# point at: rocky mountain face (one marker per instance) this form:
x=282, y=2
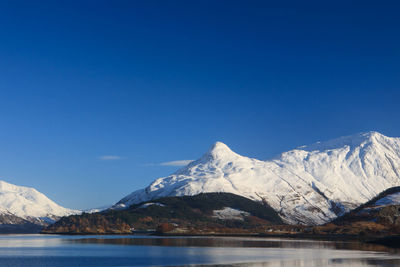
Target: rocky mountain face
x=376, y=221
x=24, y=209
x=383, y=210
x=309, y=185
x=11, y=224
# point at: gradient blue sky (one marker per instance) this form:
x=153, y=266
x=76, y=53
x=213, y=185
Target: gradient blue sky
x=158, y=81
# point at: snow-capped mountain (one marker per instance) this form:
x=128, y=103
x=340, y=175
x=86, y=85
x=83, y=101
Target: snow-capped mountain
x=29, y=204
x=308, y=185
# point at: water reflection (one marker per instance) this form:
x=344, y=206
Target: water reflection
x=268, y=252
x=236, y=242
x=182, y=251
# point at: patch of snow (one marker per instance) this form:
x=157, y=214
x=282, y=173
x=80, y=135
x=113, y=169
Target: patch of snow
x=228, y=213
x=99, y=209
x=145, y=205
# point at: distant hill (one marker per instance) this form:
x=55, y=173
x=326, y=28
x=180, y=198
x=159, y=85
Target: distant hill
x=207, y=211
x=383, y=209
x=26, y=210
x=378, y=217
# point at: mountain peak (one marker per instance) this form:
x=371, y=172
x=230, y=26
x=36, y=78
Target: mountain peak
x=219, y=146
x=355, y=140
x=371, y=134
x=7, y=187
x=220, y=150
x=219, y=153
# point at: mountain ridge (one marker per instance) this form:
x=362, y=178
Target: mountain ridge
x=308, y=185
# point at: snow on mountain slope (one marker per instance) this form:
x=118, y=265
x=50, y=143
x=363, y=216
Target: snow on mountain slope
x=228, y=213
x=308, y=185
x=393, y=199
x=29, y=204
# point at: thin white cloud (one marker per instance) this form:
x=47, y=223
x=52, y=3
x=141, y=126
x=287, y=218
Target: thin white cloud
x=176, y=162
x=109, y=157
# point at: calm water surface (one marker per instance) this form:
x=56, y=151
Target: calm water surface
x=53, y=250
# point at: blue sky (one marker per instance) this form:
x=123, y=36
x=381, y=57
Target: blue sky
x=95, y=95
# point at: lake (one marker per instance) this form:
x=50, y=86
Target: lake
x=56, y=250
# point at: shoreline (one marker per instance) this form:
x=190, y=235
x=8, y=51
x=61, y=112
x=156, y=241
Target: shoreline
x=376, y=239
x=391, y=241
